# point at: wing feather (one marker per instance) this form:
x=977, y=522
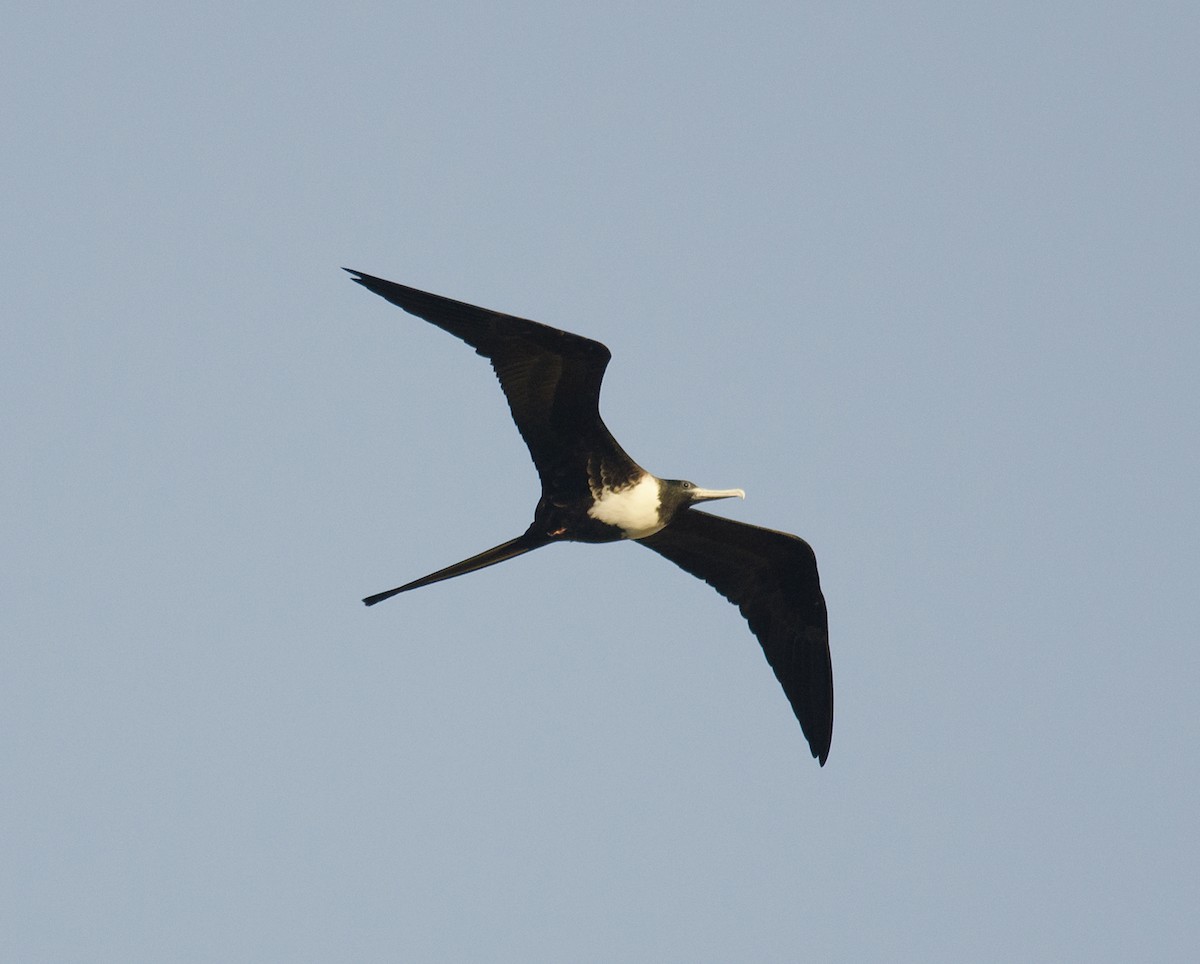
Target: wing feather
x=551, y=378
x=772, y=578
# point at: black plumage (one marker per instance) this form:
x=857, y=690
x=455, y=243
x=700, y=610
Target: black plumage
x=592, y=491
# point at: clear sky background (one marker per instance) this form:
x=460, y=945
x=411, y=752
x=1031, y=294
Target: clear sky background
x=922, y=278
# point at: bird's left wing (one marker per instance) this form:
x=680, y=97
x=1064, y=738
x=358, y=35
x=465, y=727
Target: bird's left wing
x=550, y=377
x=772, y=578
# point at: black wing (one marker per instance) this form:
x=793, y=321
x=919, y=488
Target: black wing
x=772, y=578
x=551, y=379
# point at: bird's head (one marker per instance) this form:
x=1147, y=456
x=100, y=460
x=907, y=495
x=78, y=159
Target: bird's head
x=677, y=494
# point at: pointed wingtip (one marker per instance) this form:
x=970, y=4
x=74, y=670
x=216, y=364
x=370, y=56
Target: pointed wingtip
x=820, y=750
x=381, y=596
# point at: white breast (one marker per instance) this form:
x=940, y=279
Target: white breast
x=634, y=510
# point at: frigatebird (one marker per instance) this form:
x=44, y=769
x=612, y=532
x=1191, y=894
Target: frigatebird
x=592, y=491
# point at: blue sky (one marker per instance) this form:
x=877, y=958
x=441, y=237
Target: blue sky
x=922, y=280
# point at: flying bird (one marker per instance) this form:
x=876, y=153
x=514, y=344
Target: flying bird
x=592, y=491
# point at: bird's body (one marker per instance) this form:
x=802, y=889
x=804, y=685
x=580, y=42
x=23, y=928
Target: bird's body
x=592, y=491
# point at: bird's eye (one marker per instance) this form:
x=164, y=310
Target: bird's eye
x=687, y=485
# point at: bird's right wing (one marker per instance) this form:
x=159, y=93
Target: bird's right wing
x=550, y=377
x=772, y=578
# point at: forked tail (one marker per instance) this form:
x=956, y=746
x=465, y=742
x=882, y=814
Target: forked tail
x=514, y=547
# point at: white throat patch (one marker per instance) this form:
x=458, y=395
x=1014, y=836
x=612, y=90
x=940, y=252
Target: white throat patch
x=633, y=510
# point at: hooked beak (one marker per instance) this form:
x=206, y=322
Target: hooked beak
x=704, y=495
